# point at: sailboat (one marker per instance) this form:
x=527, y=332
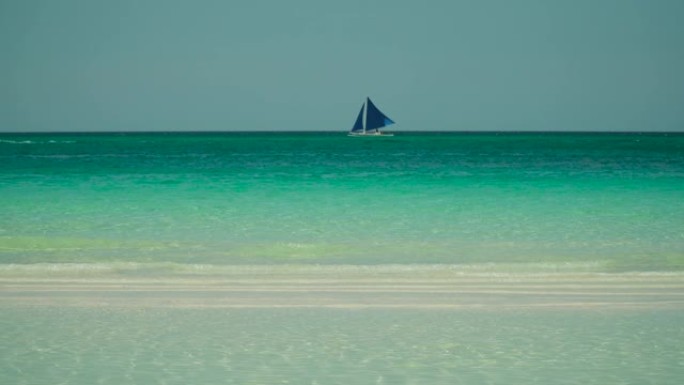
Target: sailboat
x=373, y=122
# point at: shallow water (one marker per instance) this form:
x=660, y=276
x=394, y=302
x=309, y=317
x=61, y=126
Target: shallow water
x=340, y=325
x=49, y=345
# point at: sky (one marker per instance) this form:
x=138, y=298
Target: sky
x=276, y=65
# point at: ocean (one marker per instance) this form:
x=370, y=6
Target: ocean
x=613, y=200
x=316, y=258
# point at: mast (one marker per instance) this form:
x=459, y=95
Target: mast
x=364, y=107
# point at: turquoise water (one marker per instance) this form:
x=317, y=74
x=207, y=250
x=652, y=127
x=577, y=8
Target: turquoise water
x=219, y=346
x=324, y=198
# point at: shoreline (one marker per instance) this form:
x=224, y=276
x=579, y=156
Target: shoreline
x=481, y=287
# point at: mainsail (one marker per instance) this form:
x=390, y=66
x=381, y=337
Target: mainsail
x=374, y=120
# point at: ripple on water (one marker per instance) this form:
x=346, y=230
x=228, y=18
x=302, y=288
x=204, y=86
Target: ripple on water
x=175, y=346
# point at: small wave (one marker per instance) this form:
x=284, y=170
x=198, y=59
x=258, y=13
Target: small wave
x=122, y=156
x=412, y=271
x=36, y=142
x=16, y=141
x=58, y=156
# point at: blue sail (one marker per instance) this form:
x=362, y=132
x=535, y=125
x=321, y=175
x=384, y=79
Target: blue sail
x=374, y=118
x=358, y=125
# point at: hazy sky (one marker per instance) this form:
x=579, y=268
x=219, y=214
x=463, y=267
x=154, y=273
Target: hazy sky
x=90, y=65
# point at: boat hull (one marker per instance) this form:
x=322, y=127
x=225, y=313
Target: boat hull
x=370, y=135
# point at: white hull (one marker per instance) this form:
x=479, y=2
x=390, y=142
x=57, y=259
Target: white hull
x=369, y=134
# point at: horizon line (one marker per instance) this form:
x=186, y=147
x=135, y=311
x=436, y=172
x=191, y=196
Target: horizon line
x=341, y=132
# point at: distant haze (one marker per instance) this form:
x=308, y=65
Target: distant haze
x=136, y=65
